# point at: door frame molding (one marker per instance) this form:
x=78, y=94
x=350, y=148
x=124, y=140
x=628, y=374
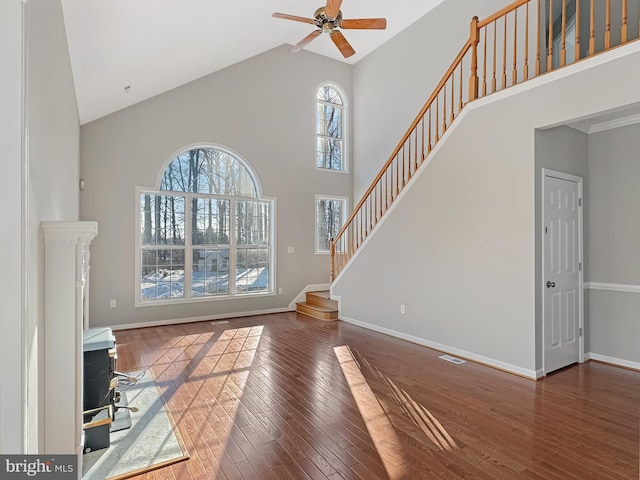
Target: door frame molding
x=546, y=172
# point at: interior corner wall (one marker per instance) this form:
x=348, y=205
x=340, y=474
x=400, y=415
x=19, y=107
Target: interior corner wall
x=40, y=145
x=565, y=150
x=11, y=237
x=53, y=175
x=264, y=109
x=614, y=236
x=391, y=84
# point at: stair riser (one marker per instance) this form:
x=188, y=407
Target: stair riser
x=311, y=312
x=320, y=301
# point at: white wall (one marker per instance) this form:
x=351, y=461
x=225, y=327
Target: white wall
x=11, y=238
x=42, y=187
x=53, y=173
x=459, y=248
x=262, y=108
x=391, y=85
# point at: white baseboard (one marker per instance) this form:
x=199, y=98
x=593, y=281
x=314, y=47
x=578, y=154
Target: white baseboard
x=309, y=288
x=612, y=360
x=491, y=362
x=176, y=321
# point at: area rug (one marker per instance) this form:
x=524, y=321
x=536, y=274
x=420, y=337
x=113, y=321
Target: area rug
x=151, y=442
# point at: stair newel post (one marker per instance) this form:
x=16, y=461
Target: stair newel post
x=332, y=248
x=474, y=38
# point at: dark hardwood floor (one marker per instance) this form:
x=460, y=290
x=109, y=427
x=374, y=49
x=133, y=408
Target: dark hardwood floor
x=286, y=396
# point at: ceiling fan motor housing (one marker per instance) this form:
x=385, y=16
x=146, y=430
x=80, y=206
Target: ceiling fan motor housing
x=326, y=23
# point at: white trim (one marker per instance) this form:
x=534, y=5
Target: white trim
x=177, y=321
x=612, y=287
x=614, y=361
x=491, y=362
x=319, y=287
x=617, y=123
x=571, y=178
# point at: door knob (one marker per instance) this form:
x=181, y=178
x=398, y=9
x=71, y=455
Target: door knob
x=551, y=284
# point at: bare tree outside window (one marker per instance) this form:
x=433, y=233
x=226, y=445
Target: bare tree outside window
x=329, y=129
x=330, y=216
x=209, y=195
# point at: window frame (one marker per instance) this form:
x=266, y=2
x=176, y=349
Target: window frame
x=188, y=247
x=345, y=127
x=345, y=213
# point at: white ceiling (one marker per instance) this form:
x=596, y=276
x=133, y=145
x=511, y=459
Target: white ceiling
x=156, y=45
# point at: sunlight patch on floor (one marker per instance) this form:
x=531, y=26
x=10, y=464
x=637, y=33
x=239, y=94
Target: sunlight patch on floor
x=379, y=426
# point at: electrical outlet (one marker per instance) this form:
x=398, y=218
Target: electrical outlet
x=402, y=310
x=280, y=291
x=112, y=303
x=290, y=250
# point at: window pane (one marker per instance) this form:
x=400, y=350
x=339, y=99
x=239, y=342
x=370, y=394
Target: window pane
x=329, y=218
x=252, y=223
x=329, y=94
x=210, y=275
x=329, y=121
x=162, y=220
x=252, y=270
x=329, y=154
x=162, y=273
x=209, y=221
x=208, y=170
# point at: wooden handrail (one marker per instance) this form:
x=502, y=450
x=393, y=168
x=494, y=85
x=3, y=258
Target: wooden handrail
x=441, y=108
x=502, y=12
x=406, y=136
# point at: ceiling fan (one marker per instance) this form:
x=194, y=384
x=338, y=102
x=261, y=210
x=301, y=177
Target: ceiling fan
x=328, y=19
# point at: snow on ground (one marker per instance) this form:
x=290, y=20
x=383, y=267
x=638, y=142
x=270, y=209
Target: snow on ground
x=170, y=283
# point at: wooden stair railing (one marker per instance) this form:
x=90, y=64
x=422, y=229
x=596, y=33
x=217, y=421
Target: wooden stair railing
x=515, y=44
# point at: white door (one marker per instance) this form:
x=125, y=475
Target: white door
x=561, y=272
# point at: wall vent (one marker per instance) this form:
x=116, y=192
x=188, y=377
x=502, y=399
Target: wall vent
x=219, y=322
x=451, y=359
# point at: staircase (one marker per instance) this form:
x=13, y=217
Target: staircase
x=516, y=44
x=318, y=305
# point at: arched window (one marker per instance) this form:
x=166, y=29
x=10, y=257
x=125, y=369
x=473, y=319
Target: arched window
x=206, y=233
x=330, y=128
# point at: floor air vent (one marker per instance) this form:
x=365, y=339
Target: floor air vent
x=451, y=359
x=219, y=322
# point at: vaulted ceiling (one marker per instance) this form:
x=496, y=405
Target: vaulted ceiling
x=125, y=51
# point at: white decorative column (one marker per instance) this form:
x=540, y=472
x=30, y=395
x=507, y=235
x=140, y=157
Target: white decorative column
x=66, y=269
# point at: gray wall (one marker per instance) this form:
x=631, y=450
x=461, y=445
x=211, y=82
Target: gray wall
x=614, y=236
x=458, y=249
x=262, y=108
x=565, y=150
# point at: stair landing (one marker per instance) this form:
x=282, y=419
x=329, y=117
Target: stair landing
x=318, y=305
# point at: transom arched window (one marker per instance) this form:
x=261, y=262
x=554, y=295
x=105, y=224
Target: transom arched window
x=206, y=232
x=330, y=128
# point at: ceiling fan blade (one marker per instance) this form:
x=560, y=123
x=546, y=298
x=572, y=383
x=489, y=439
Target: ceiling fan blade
x=333, y=8
x=365, y=23
x=293, y=17
x=345, y=48
x=305, y=41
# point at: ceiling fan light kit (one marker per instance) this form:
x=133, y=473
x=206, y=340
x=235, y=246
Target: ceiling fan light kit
x=329, y=20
